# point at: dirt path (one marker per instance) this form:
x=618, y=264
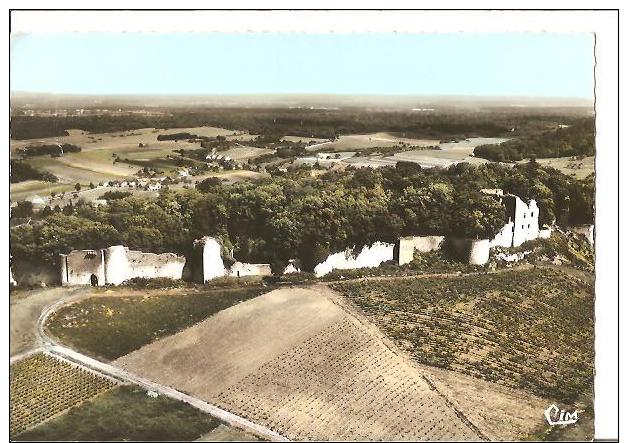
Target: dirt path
x=45, y=343
x=519, y=267
x=25, y=307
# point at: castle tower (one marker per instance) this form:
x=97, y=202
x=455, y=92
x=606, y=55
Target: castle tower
x=209, y=254
x=116, y=265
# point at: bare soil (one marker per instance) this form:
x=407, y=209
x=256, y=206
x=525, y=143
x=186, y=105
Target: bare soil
x=296, y=361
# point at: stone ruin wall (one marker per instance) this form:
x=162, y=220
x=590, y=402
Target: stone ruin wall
x=504, y=237
x=149, y=265
x=408, y=245
x=117, y=264
x=239, y=269
x=526, y=221
x=209, y=253
x=369, y=257
x=472, y=251
x=77, y=267
x=29, y=273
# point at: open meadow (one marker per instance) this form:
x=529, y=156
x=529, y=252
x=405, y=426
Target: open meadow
x=356, y=142
x=575, y=167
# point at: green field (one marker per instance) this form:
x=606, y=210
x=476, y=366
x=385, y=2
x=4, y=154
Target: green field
x=23, y=190
x=126, y=413
x=530, y=329
x=109, y=327
x=578, y=168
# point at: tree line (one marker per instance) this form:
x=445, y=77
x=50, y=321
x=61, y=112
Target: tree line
x=328, y=124
x=55, y=150
x=575, y=140
x=22, y=171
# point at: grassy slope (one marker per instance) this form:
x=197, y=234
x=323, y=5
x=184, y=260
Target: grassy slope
x=110, y=327
x=530, y=329
x=123, y=414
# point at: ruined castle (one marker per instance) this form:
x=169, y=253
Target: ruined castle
x=113, y=265
x=116, y=264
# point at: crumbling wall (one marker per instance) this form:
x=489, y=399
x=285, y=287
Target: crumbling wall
x=27, y=273
x=240, y=269
x=78, y=267
x=292, y=268
x=525, y=220
x=149, y=265
x=117, y=267
x=408, y=245
x=504, y=237
x=116, y=264
x=545, y=233
x=472, y=251
x=369, y=256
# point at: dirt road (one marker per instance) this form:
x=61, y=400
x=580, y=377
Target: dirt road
x=29, y=312
x=26, y=306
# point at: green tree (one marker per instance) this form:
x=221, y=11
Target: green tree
x=23, y=209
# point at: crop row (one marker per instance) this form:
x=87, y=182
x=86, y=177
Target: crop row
x=344, y=384
x=531, y=329
x=42, y=386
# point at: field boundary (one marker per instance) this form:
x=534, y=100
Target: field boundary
x=457, y=411
x=354, y=312
x=23, y=355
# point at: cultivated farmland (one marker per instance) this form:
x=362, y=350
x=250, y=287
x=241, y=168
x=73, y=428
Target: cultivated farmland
x=362, y=141
x=531, y=329
x=42, y=387
x=95, y=162
x=298, y=360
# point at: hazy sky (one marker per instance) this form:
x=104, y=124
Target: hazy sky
x=540, y=65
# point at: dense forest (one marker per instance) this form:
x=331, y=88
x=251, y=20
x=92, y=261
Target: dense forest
x=447, y=124
x=176, y=136
x=577, y=139
x=21, y=171
x=297, y=216
x=55, y=150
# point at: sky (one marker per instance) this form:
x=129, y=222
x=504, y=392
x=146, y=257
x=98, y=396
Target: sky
x=498, y=64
